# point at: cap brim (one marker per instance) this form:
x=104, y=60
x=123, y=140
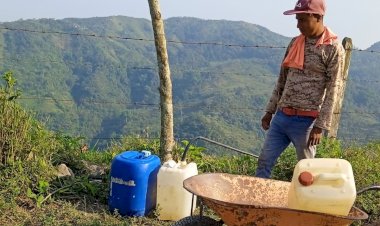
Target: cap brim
x=291, y=12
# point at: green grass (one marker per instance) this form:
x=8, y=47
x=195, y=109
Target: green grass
x=86, y=204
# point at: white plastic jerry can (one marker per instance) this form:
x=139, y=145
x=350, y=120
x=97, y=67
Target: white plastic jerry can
x=324, y=185
x=173, y=201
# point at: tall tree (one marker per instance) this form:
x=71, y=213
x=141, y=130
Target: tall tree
x=166, y=95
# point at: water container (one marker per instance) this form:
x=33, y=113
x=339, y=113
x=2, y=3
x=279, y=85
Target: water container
x=133, y=183
x=173, y=201
x=323, y=185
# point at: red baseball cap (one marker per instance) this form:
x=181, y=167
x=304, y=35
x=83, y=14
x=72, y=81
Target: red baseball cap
x=308, y=6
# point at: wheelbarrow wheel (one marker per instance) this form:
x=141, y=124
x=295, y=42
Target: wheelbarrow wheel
x=198, y=221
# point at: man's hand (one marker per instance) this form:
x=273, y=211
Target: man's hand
x=315, y=136
x=265, y=121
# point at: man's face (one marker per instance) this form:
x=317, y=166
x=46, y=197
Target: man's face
x=308, y=24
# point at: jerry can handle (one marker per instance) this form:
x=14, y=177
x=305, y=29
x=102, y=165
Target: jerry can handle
x=331, y=177
x=146, y=153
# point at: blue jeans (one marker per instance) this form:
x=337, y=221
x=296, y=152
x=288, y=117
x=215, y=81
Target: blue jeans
x=283, y=130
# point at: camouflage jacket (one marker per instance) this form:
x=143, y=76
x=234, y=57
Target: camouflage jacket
x=315, y=87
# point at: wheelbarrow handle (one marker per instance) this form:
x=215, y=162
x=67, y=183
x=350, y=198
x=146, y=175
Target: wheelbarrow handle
x=373, y=187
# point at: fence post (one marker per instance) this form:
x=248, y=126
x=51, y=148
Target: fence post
x=347, y=45
x=166, y=95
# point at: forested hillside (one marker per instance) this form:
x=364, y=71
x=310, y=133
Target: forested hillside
x=98, y=78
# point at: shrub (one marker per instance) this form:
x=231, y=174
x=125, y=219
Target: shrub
x=25, y=146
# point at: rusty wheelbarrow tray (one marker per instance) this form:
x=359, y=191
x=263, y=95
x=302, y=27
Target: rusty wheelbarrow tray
x=246, y=200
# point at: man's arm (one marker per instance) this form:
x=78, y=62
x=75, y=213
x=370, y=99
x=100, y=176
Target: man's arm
x=273, y=101
x=279, y=88
x=276, y=93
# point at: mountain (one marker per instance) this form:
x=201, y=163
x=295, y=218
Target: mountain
x=98, y=78
x=375, y=47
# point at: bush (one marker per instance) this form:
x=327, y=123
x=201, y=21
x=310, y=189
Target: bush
x=25, y=146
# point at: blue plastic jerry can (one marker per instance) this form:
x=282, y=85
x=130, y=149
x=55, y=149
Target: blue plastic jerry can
x=133, y=183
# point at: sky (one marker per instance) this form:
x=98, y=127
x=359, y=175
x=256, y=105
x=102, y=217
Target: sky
x=357, y=19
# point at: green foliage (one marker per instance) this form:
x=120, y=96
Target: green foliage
x=70, y=151
x=14, y=123
x=193, y=153
x=39, y=196
x=365, y=163
x=25, y=146
x=87, y=191
x=133, y=143
x=79, y=187
x=93, y=87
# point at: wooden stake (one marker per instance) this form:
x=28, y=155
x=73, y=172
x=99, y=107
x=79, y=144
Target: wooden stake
x=347, y=44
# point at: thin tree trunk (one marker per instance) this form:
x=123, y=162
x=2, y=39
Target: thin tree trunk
x=166, y=96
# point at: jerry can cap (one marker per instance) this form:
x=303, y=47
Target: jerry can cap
x=306, y=178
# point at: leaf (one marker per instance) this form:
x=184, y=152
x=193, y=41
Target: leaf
x=31, y=194
x=39, y=200
x=43, y=187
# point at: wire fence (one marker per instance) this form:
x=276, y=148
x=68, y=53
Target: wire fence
x=131, y=105
x=152, y=40
x=175, y=105
x=20, y=61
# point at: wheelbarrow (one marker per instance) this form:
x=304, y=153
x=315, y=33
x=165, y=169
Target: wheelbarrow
x=245, y=200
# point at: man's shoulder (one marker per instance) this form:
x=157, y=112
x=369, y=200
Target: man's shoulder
x=336, y=46
x=337, y=42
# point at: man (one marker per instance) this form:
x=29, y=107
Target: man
x=304, y=97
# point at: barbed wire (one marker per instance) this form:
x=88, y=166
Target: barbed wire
x=176, y=105
x=154, y=105
x=365, y=50
x=152, y=40
x=351, y=138
x=103, y=102
x=173, y=69
x=369, y=139
x=75, y=34
x=149, y=68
